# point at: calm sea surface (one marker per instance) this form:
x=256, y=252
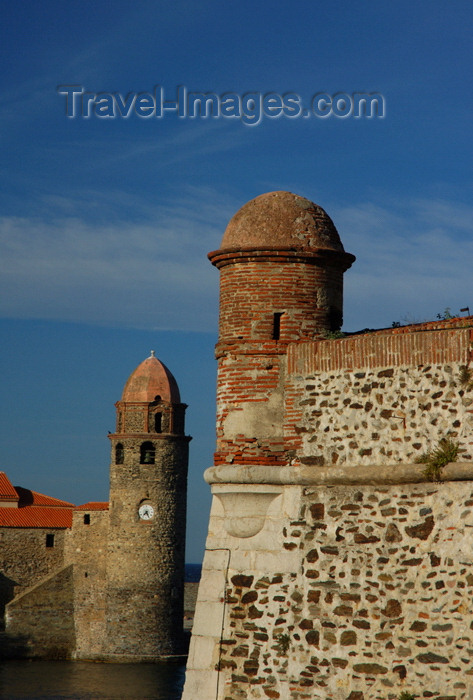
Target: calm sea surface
x=78, y=680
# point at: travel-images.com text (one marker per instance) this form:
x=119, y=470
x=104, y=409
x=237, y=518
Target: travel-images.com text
x=250, y=108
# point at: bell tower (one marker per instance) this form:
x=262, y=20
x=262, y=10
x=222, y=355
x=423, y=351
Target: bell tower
x=148, y=484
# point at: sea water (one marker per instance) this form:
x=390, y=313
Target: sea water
x=80, y=680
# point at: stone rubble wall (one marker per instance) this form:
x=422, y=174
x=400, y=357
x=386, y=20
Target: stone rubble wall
x=145, y=558
x=347, y=593
x=18, y=573
x=378, y=399
x=86, y=549
x=43, y=617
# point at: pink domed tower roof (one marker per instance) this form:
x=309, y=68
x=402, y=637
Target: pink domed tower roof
x=151, y=379
x=281, y=220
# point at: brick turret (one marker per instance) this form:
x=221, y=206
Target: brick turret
x=281, y=266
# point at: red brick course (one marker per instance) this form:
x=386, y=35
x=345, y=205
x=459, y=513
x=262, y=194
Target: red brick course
x=411, y=345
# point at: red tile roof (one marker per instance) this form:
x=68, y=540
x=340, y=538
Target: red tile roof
x=33, y=498
x=33, y=509
x=36, y=516
x=93, y=505
x=37, y=510
x=7, y=491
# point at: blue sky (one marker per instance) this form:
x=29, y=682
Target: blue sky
x=105, y=223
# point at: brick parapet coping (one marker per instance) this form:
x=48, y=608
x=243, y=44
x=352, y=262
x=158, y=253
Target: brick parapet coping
x=424, y=326
x=412, y=346
x=371, y=475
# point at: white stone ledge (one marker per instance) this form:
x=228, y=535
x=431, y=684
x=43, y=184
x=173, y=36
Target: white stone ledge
x=332, y=476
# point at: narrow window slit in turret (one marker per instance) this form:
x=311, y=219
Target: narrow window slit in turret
x=277, y=324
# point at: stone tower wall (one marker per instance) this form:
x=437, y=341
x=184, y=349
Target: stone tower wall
x=145, y=565
x=86, y=550
x=112, y=586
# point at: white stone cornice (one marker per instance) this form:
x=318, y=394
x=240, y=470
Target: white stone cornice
x=311, y=476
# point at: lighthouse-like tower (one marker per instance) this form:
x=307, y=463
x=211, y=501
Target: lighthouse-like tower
x=281, y=266
x=148, y=478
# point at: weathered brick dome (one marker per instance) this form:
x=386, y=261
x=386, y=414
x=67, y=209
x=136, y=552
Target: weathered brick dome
x=151, y=379
x=281, y=220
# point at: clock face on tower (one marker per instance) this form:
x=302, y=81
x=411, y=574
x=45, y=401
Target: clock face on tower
x=146, y=511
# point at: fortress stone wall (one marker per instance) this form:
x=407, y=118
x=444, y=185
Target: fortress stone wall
x=334, y=568
x=379, y=399
x=347, y=591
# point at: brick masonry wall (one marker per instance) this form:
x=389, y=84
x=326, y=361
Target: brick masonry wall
x=264, y=305
x=250, y=410
x=252, y=290
x=386, y=348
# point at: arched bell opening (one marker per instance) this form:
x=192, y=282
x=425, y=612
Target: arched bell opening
x=147, y=453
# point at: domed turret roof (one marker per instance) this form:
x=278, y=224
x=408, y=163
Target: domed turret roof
x=281, y=220
x=151, y=379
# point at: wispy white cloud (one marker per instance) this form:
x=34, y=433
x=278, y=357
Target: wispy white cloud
x=153, y=273
x=413, y=260
x=208, y=136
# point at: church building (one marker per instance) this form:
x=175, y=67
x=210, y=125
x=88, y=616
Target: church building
x=105, y=581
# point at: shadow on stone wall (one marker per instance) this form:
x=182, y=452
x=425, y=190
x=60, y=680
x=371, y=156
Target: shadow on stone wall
x=13, y=647
x=7, y=587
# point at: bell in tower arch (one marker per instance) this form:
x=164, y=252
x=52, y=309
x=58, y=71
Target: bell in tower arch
x=147, y=453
